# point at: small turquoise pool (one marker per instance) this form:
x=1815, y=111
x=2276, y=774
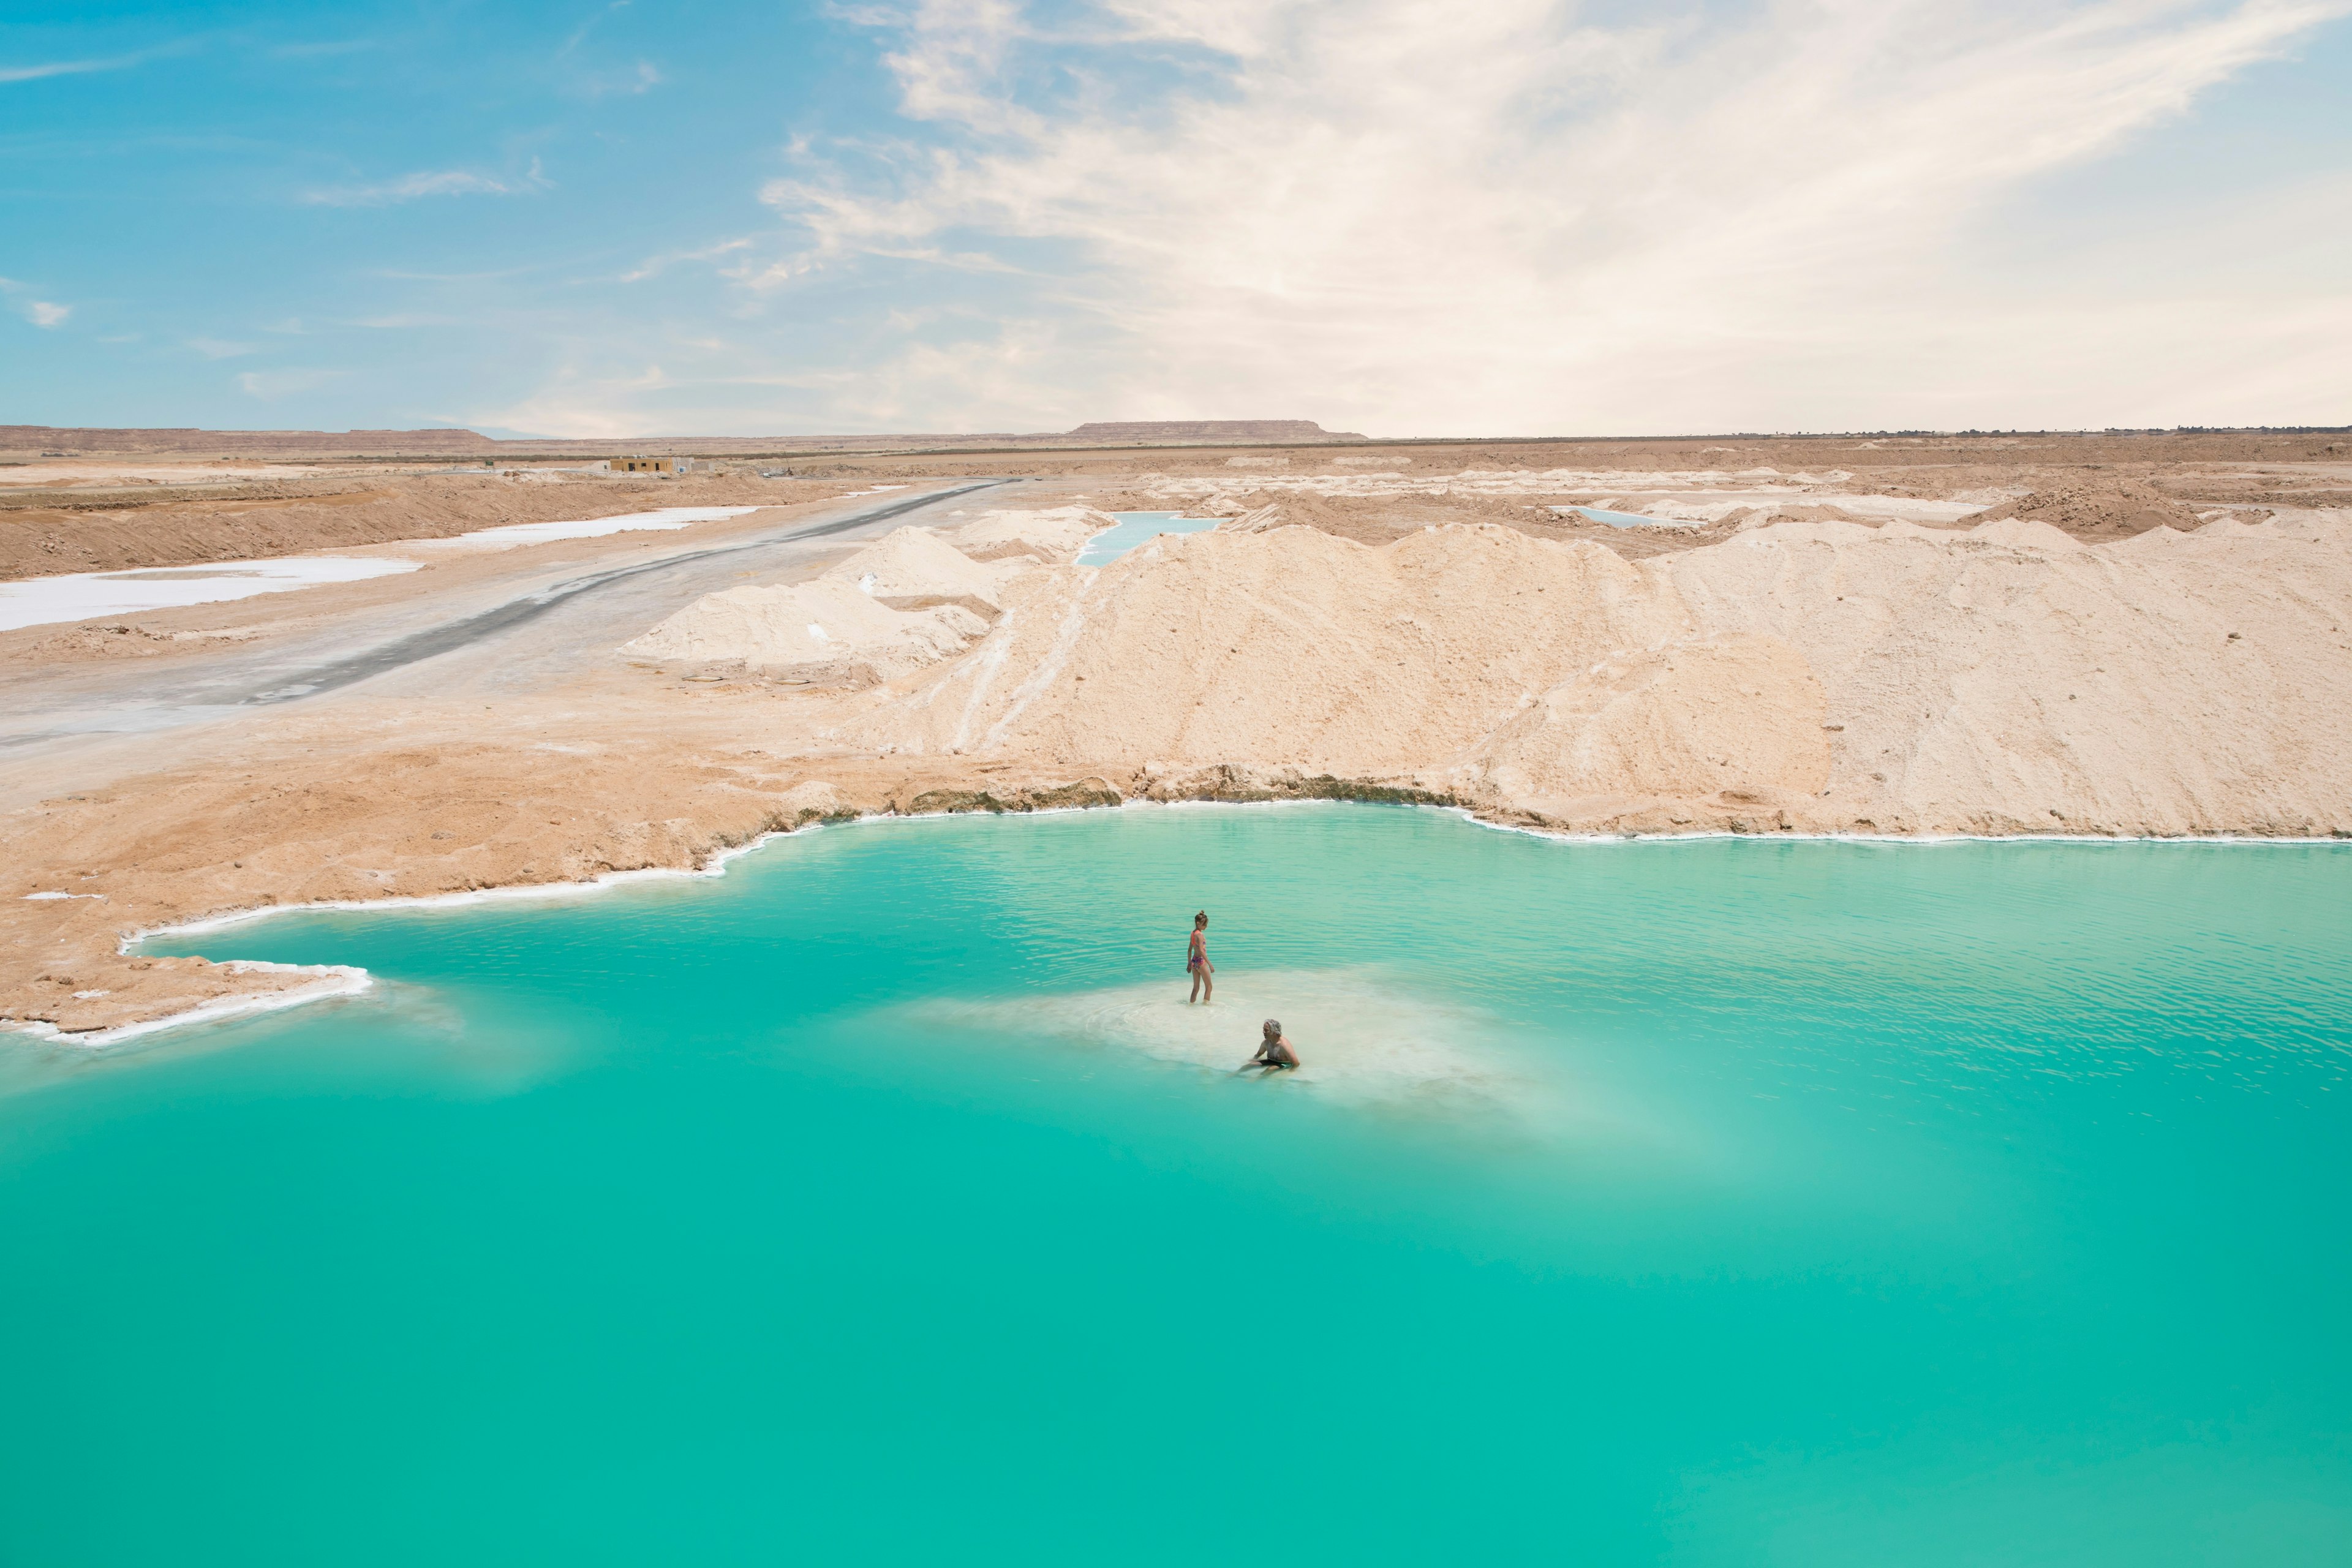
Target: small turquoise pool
x=1631, y=519
x=1136, y=527
x=1714, y=1204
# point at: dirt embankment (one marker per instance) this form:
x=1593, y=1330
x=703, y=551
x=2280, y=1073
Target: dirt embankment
x=313, y=815
x=1834, y=676
x=72, y=535
x=2098, y=510
x=1382, y=520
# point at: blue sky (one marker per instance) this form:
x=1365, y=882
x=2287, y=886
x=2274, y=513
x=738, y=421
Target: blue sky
x=1393, y=216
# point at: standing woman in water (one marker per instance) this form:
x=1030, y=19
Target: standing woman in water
x=1196, y=961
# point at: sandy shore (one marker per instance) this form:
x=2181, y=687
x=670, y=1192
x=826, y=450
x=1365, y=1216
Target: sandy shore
x=2056, y=650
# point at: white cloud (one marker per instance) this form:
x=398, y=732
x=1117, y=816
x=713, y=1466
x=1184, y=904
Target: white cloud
x=1417, y=218
x=41, y=313
x=219, y=347
x=643, y=79
x=410, y=188
x=654, y=265
x=70, y=68
x=582, y=404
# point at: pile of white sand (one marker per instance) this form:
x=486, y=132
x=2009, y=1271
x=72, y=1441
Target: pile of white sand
x=1824, y=676
x=2012, y=678
x=826, y=632
x=1055, y=534
x=913, y=569
x=1563, y=664
x=907, y=600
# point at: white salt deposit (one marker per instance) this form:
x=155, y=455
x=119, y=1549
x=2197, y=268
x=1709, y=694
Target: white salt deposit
x=913, y=569
x=824, y=632
x=516, y=534
x=87, y=595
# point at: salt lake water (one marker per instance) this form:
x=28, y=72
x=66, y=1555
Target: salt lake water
x=1718, y=1201
x=1134, y=529
x=1628, y=519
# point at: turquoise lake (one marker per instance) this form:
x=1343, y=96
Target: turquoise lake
x=1718, y=1202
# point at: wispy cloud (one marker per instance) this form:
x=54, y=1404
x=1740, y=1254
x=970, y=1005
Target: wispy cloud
x=323, y=49
x=45, y=313
x=580, y=34
x=46, y=70
x=424, y=184
x=583, y=403
x=1503, y=217
x=219, y=347
x=644, y=78
x=654, y=265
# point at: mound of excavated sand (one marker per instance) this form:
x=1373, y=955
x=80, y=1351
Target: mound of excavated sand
x=1461, y=649
x=826, y=632
x=1057, y=533
x=2009, y=678
x=913, y=569
x=1832, y=676
x=2095, y=510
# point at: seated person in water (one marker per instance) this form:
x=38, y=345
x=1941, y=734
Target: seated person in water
x=1274, y=1052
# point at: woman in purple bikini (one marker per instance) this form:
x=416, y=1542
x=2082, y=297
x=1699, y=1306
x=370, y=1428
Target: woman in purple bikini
x=1196, y=961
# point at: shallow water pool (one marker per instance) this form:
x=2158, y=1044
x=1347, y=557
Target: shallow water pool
x=1136, y=528
x=1628, y=519
x=1714, y=1203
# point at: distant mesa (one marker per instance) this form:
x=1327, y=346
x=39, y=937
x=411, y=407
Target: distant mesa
x=1161, y=432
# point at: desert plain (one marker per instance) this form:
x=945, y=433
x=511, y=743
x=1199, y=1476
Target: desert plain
x=2090, y=636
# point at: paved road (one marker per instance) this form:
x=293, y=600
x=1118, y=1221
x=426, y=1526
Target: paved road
x=454, y=635
x=505, y=635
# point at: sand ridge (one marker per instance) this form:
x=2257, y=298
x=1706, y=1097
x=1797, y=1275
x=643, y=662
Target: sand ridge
x=1832, y=676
